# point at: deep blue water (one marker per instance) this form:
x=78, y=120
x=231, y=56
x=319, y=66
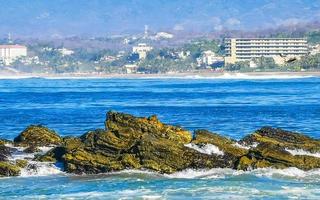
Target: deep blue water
x=228, y=106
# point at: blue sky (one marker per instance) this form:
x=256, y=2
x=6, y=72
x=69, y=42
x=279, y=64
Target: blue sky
x=102, y=17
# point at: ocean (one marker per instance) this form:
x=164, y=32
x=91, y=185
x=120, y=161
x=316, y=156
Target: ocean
x=233, y=106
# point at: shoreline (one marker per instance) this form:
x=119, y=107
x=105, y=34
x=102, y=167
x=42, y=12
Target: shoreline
x=167, y=75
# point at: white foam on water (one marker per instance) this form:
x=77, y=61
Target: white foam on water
x=2, y=77
x=123, y=194
x=302, y=152
x=243, y=146
x=45, y=149
x=220, y=173
x=40, y=169
x=240, y=146
x=205, y=148
x=290, y=172
x=215, y=173
x=33, y=168
x=235, y=76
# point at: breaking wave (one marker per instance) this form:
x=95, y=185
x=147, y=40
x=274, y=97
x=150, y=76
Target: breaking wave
x=301, y=152
x=205, y=148
x=235, y=76
x=35, y=168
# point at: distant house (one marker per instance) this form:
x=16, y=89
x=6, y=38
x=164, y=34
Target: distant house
x=142, y=49
x=163, y=35
x=10, y=53
x=209, y=58
x=108, y=58
x=183, y=54
x=131, y=68
x=66, y=52
x=315, y=49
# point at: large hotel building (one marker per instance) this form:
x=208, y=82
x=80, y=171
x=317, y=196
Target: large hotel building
x=245, y=49
x=9, y=53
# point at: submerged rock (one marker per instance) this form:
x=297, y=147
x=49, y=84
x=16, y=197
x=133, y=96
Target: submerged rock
x=130, y=142
x=37, y=136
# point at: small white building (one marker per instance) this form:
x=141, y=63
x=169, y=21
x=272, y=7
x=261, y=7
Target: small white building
x=209, y=57
x=10, y=53
x=142, y=49
x=183, y=54
x=131, y=68
x=163, y=35
x=108, y=58
x=315, y=49
x=66, y=52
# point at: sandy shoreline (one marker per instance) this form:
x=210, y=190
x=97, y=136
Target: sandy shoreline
x=169, y=75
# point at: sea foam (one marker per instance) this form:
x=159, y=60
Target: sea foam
x=302, y=152
x=231, y=76
x=205, y=148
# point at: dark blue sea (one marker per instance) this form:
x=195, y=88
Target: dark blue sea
x=232, y=106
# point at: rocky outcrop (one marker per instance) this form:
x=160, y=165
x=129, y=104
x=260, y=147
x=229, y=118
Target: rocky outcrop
x=273, y=148
x=130, y=142
x=9, y=169
x=37, y=136
x=4, y=153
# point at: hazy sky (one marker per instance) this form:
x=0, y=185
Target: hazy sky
x=102, y=17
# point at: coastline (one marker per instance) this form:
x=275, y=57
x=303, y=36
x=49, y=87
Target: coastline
x=205, y=74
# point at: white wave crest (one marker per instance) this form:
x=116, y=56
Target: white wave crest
x=2, y=77
x=290, y=172
x=302, y=152
x=235, y=76
x=214, y=173
x=220, y=173
x=205, y=148
x=34, y=168
x=40, y=169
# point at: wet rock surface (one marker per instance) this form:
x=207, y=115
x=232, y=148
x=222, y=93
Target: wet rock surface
x=130, y=142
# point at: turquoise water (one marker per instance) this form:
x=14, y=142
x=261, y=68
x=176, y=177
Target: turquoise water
x=231, y=106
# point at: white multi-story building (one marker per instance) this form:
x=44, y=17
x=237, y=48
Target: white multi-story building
x=245, y=49
x=9, y=53
x=142, y=49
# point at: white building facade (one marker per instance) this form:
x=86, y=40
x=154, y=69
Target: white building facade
x=9, y=53
x=209, y=58
x=245, y=49
x=142, y=49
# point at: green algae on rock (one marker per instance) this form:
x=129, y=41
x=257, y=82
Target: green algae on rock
x=272, y=149
x=37, y=136
x=9, y=169
x=130, y=142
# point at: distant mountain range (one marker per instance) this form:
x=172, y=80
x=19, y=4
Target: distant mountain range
x=62, y=18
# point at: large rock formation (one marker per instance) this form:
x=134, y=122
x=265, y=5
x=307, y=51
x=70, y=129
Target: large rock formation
x=129, y=142
x=134, y=143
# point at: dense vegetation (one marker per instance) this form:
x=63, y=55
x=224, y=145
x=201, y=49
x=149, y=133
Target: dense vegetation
x=48, y=58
